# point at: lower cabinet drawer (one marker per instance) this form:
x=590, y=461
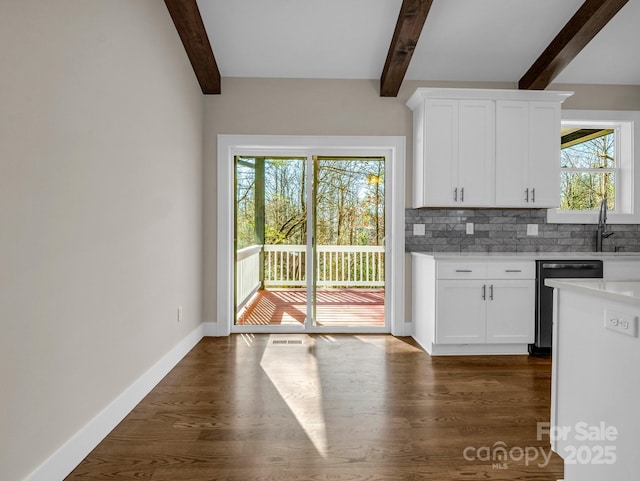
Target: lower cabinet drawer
x=511, y=270
x=461, y=270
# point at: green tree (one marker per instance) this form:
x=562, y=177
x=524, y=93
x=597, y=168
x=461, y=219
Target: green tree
x=349, y=200
x=585, y=180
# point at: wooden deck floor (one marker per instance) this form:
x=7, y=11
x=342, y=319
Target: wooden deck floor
x=332, y=407
x=335, y=307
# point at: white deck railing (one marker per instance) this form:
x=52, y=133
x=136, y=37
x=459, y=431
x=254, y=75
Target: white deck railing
x=247, y=273
x=285, y=266
x=350, y=266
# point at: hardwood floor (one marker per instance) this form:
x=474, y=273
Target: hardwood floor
x=331, y=407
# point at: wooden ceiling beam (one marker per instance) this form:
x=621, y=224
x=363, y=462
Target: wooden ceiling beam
x=186, y=17
x=582, y=135
x=413, y=14
x=590, y=18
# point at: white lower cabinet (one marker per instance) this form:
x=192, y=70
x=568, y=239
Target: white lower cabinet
x=511, y=311
x=485, y=312
x=473, y=307
x=461, y=312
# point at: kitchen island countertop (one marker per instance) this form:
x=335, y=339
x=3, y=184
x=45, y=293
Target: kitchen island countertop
x=620, y=291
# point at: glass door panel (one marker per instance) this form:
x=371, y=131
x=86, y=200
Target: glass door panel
x=349, y=231
x=271, y=241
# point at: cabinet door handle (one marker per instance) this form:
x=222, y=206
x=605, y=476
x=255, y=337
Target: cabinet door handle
x=491, y=292
x=526, y=195
x=513, y=270
x=484, y=292
x=462, y=195
x=455, y=194
x=464, y=270
x=533, y=194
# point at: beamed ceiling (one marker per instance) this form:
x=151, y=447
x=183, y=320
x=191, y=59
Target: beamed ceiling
x=528, y=42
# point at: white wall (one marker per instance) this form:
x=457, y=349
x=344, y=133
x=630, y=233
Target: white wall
x=100, y=211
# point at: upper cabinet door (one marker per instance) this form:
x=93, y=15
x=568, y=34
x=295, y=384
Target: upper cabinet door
x=512, y=153
x=440, y=152
x=527, y=154
x=476, y=152
x=544, y=154
x=458, y=154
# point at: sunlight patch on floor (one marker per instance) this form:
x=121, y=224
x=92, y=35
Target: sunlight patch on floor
x=383, y=343
x=293, y=370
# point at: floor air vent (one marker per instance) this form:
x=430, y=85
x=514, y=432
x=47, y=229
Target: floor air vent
x=286, y=341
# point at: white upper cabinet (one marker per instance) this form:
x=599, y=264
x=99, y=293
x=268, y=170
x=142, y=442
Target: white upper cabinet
x=544, y=153
x=440, y=146
x=476, y=152
x=512, y=123
x=527, y=154
x=457, y=145
x=486, y=148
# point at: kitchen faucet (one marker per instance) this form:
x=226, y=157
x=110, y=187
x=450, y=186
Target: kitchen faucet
x=601, y=231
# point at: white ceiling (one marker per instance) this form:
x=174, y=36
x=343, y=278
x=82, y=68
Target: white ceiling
x=463, y=40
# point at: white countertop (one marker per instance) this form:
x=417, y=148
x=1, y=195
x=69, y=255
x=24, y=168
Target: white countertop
x=501, y=256
x=628, y=291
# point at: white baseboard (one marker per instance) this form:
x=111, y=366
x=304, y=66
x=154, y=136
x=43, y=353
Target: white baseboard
x=478, y=349
x=422, y=344
x=71, y=453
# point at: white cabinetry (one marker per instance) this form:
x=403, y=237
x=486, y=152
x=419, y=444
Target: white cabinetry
x=510, y=311
x=486, y=148
x=461, y=312
x=527, y=154
x=473, y=307
x=621, y=269
x=456, y=141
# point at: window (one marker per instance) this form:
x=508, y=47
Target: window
x=597, y=163
x=588, y=168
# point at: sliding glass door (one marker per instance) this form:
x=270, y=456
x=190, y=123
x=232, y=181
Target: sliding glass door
x=309, y=243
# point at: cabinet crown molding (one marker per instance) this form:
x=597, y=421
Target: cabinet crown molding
x=485, y=94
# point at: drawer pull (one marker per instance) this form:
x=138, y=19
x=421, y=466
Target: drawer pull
x=464, y=270
x=513, y=270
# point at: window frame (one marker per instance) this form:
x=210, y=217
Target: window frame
x=627, y=127
x=617, y=170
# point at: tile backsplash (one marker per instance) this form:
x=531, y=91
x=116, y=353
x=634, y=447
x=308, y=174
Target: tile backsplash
x=505, y=230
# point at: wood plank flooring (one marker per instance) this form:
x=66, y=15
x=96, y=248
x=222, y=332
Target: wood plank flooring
x=330, y=407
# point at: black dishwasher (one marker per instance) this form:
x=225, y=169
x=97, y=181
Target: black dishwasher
x=574, y=269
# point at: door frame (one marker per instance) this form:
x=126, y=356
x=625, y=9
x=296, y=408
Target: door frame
x=391, y=147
